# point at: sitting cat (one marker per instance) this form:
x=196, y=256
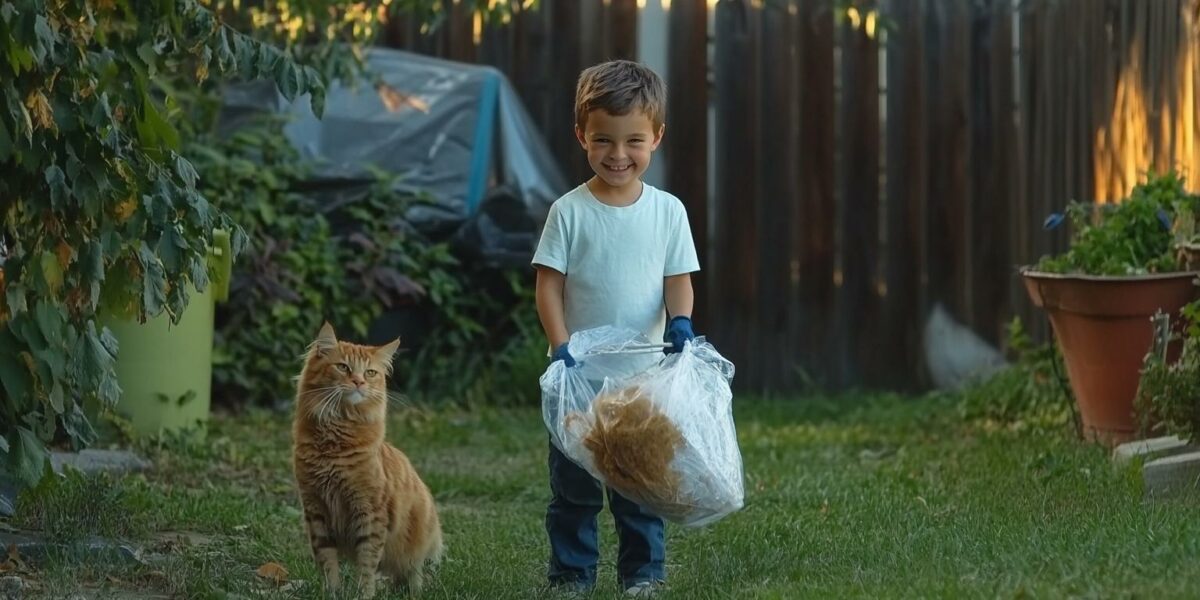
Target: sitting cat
x=362, y=499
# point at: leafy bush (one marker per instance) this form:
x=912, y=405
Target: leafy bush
x=1132, y=237
x=1168, y=400
x=100, y=209
x=349, y=260
x=1032, y=391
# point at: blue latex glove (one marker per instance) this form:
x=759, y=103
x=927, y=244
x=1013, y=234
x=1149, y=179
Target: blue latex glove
x=679, y=330
x=561, y=353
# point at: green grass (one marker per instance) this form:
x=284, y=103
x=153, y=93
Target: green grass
x=849, y=497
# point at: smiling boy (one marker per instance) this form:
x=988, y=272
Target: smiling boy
x=614, y=251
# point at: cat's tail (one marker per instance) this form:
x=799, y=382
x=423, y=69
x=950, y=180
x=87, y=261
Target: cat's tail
x=438, y=552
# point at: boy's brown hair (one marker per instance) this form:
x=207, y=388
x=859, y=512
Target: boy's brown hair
x=619, y=87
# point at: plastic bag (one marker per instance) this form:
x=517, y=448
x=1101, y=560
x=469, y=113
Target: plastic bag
x=663, y=437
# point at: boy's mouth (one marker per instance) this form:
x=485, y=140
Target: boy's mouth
x=618, y=169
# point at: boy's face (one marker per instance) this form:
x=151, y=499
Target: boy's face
x=618, y=147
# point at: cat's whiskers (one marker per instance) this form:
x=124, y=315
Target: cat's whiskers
x=323, y=407
x=394, y=398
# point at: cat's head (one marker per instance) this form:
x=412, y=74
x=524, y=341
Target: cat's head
x=340, y=375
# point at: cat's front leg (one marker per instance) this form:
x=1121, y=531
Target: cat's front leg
x=369, y=530
x=324, y=547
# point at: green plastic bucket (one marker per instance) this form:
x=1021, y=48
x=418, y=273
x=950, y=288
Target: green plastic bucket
x=165, y=369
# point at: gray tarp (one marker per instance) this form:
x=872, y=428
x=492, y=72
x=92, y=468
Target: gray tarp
x=456, y=131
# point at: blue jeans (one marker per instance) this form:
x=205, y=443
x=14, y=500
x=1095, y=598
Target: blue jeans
x=571, y=525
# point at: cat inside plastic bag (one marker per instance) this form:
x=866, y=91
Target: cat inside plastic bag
x=663, y=436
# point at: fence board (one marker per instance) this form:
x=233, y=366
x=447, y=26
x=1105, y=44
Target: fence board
x=815, y=175
x=859, y=214
x=686, y=142
x=778, y=146
x=907, y=186
x=735, y=249
x=991, y=92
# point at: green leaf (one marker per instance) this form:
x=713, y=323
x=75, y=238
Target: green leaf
x=267, y=57
x=50, y=319
x=92, y=263
x=18, y=112
x=154, y=281
x=199, y=273
x=27, y=330
x=58, y=187
x=170, y=251
x=51, y=272
x=19, y=59
x=6, y=14
x=149, y=57
x=76, y=424
x=55, y=359
x=45, y=38
x=153, y=129
x=247, y=55
x=7, y=144
x=109, y=342
x=186, y=172
x=15, y=294
x=56, y=398
x=289, y=78
x=4, y=444
x=225, y=57
x=13, y=374
x=318, y=99
x=201, y=214
x=30, y=456
x=74, y=166
x=95, y=363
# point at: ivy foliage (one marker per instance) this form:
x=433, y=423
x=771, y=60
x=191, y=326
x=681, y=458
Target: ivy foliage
x=101, y=212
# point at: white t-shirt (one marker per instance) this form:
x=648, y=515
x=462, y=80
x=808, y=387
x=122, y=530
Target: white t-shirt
x=615, y=257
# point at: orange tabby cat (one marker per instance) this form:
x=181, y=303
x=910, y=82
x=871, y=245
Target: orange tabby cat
x=362, y=498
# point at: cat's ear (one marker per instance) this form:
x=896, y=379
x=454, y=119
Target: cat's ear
x=326, y=340
x=384, y=354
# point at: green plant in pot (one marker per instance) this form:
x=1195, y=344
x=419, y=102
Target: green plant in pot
x=1168, y=400
x=1123, y=266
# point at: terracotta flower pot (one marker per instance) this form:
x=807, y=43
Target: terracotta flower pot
x=1103, y=327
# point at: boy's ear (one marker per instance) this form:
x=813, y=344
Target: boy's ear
x=579, y=136
x=658, y=136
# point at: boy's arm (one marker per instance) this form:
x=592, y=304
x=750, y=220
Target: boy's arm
x=549, y=294
x=678, y=295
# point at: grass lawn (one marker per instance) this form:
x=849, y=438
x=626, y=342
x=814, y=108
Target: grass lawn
x=856, y=496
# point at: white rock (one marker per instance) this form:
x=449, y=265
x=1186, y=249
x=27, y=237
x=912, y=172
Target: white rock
x=1173, y=475
x=1151, y=448
x=954, y=354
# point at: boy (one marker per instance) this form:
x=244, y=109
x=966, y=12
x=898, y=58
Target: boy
x=614, y=251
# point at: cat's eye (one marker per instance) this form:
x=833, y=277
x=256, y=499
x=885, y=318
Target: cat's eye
x=343, y=368
x=372, y=372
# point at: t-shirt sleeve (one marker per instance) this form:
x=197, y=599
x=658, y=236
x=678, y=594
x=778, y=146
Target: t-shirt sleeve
x=681, y=250
x=553, y=246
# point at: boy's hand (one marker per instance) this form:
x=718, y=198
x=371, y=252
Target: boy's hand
x=561, y=353
x=679, y=330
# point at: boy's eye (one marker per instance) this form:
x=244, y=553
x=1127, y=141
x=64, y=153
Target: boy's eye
x=343, y=368
x=372, y=372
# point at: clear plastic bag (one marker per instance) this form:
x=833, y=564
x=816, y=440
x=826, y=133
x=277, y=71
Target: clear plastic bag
x=663, y=437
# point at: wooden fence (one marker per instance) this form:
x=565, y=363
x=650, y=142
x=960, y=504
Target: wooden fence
x=876, y=161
